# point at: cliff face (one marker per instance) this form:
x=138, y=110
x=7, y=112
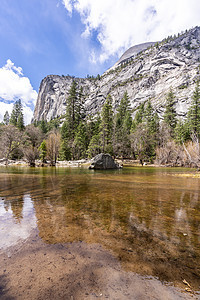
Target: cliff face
x=143, y=72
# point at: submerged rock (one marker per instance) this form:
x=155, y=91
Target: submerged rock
x=103, y=162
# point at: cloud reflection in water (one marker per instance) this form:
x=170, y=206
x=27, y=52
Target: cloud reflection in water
x=12, y=231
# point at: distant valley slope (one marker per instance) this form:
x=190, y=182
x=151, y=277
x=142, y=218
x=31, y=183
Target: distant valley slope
x=145, y=71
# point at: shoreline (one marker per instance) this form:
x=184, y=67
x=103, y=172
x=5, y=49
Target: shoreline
x=84, y=163
x=77, y=270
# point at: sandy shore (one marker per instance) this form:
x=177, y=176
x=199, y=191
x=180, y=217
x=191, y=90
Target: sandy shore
x=74, y=271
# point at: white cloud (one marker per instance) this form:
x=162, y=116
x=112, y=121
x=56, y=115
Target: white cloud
x=11, y=66
x=13, y=86
x=27, y=111
x=124, y=23
x=68, y=5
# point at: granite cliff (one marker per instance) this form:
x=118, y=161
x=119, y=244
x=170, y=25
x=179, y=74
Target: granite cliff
x=145, y=71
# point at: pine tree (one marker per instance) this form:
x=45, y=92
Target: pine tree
x=80, y=106
x=182, y=132
x=20, y=121
x=43, y=151
x=6, y=118
x=139, y=114
x=64, y=131
x=72, y=111
x=144, y=132
x=53, y=124
x=123, y=122
x=94, y=147
x=92, y=126
x=170, y=112
x=194, y=112
x=16, y=117
x=122, y=109
x=65, y=152
x=66, y=142
x=139, y=117
x=151, y=121
x=151, y=118
x=80, y=142
x=125, y=133
x=43, y=126
x=107, y=125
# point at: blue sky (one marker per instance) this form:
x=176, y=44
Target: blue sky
x=77, y=37
x=42, y=38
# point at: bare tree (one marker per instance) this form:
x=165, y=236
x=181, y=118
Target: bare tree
x=32, y=139
x=33, y=135
x=170, y=154
x=10, y=140
x=164, y=134
x=142, y=143
x=168, y=151
x=53, y=146
x=30, y=154
x=192, y=152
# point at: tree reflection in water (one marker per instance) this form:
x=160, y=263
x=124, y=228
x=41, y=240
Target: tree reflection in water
x=147, y=217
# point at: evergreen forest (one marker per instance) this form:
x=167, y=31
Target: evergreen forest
x=76, y=135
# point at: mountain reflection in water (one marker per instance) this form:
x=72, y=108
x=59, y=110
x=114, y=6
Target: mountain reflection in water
x=149, y=218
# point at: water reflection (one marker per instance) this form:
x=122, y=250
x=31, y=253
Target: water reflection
x=17, y=220
x=147, y=217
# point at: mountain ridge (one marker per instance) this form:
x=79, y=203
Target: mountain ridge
x=145, y=71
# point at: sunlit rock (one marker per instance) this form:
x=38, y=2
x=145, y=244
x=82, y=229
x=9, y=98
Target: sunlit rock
x=103, y=162
x=145, y=71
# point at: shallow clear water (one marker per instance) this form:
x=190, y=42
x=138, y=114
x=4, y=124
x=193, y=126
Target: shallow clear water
x=148, y=217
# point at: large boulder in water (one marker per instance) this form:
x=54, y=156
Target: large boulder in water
x=103, y=162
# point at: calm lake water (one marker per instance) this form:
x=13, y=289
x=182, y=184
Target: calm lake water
x=148, y=217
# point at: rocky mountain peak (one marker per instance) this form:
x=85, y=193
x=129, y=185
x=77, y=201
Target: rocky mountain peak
x=131, y=53
x=145, y=71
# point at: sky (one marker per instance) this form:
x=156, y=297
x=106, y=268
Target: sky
x=77, y=37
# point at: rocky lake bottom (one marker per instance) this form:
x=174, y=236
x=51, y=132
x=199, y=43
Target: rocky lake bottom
x=71, y=233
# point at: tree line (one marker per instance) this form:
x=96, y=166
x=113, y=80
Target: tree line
x=146, y=137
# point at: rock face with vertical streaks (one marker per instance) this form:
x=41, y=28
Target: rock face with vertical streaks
x=145, y=71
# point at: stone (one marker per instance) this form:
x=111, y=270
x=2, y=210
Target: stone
x=103, y=162
x=145, y=71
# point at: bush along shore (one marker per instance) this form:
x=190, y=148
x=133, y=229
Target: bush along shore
x=74, y=137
